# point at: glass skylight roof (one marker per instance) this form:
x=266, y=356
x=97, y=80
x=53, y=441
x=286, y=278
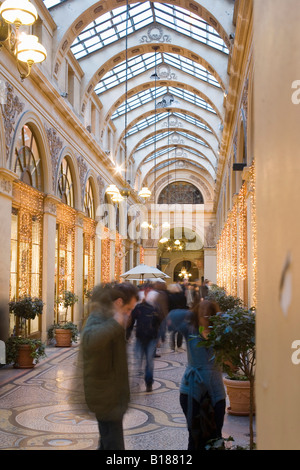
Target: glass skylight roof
x=149, y=121
x=171, y=162
x=111, y=26
x=53, y=3
x=146, y=96
x=170, y=149
x=159, y=136
x=144, y=62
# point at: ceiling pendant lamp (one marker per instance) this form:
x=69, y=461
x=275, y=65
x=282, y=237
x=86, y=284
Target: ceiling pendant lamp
x=145, y=192
x=117, y=198
x=112, y=190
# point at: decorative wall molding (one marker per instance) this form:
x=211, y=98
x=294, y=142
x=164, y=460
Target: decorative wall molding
x=101, y=186
x=155, y=34
x=210, y=235
x=164, y=72
x=172, y=121
x=56, y=145
x=11, y=109
x=83, y=169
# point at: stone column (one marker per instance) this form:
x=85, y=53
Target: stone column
x=78, y=270
x=150, y=256
x=210, y=264
x=98, y=249
x=6, y=196
x=48, y=267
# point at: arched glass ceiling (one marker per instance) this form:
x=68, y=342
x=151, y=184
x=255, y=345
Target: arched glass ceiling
x=171, y=162
x=53, y=3
x=144, y=123
x=111, y=26
x=162, y=135
x=144, y=62
x=170, y=149
x=146, y=96
x=149, y=121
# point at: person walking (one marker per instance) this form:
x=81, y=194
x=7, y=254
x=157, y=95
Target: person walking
x=177, y=300
x=202, y=392
x=147, y=319
x=104, y=360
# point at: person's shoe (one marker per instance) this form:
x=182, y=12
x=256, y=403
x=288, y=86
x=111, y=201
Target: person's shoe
x=157, y=355
x=149, y=388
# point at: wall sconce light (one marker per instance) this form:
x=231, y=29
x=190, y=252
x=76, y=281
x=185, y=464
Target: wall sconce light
x=26, y=47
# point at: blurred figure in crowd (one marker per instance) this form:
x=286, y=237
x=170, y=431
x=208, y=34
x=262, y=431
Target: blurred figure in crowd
x=104, y=360
x=177, y=300
x=159, y=297
x=202, y=392
x=147, y=317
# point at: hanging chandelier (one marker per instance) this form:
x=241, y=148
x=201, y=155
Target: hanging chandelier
x=112, y=190
x=145, y=192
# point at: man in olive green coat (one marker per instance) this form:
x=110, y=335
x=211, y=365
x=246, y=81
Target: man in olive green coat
x=104, y=355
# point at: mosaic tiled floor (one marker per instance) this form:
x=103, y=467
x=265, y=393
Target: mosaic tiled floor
x=40, y=409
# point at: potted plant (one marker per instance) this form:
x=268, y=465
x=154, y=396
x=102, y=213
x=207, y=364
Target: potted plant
x=225, y=302
x=232, y=336
x=63, y=333
x=22, y=351
x=67, y=299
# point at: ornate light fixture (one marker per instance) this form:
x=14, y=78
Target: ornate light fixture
x=112, y=190
x=145, y=192
x=26, y=48
x=117, y=197
x=18, y=12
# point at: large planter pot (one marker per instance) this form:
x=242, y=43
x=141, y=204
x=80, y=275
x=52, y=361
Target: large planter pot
x=24, y=359
x=63, y=338
x=238, y=392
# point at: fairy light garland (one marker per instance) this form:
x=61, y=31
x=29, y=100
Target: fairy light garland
x=29, y=203
x=89, y=231
x=118, y=261
x=142, y=255
x=242, y=233
x=105, y=256
x=232, y=247
x=254, y=233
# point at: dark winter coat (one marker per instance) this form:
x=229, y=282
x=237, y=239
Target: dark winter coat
x=105, y=368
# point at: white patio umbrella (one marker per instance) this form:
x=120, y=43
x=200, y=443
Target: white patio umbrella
x=143, y=272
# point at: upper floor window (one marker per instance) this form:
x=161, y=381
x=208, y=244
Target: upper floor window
x=28, y=162
x=65, y=184
x=89, y=205
x=180, y=193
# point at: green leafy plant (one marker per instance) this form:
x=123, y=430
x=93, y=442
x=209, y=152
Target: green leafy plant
x=225, y=302
x=232, y=337
x=64, y=326
x=26, y=307
x=67, y=299
x=12, y=347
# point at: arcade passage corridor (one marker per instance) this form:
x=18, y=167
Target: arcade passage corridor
x=149, y=174
x=47, y=413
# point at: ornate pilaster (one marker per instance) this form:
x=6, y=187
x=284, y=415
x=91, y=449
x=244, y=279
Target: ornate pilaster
x=11, y=109
x=56, y=145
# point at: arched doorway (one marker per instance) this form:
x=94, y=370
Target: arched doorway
x=185, y=270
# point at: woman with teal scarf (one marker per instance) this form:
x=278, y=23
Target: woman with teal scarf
x=202, y=392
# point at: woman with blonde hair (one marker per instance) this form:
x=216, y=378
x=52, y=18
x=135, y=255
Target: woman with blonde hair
x=202, y=392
